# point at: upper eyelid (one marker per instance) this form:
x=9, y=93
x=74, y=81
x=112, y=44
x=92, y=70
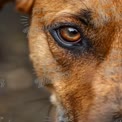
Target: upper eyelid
x=79, y=21
x=58, y=25
x=61, y=24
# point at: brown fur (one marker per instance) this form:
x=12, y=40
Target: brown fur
x=86, y=87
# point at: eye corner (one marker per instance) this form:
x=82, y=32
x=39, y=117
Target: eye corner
x=56, y=37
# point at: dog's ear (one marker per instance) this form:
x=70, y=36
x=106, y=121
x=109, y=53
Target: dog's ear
x=24, y=6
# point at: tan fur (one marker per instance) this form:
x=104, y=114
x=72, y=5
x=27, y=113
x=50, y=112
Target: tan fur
x=87, y=87
x=91, y=92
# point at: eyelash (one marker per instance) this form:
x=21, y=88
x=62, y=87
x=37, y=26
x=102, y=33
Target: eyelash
x=61, y=24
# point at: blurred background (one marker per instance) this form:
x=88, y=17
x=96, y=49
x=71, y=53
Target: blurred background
x=22, y=99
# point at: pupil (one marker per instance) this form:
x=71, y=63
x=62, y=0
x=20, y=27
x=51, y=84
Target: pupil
x=72, y=32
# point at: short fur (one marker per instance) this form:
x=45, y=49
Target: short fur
x=86, y=85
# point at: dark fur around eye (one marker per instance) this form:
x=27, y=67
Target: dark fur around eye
x=83, y=46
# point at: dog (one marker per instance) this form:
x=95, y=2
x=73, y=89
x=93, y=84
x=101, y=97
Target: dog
x=76, y=48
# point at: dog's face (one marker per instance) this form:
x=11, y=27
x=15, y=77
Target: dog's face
x=76, y=47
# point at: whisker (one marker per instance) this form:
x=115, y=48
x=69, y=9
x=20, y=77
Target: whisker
x=24, y=22
x=26, y=25
x=25, y=17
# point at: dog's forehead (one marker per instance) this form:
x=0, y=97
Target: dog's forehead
x=102, y=11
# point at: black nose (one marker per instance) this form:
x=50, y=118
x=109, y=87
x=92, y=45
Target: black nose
x=117, y=117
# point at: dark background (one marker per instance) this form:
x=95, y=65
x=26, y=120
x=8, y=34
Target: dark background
x=21, y=100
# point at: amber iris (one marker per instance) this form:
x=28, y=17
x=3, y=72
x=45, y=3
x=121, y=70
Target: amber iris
x=70, y=34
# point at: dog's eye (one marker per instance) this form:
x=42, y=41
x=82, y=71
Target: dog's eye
x=69, y=34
